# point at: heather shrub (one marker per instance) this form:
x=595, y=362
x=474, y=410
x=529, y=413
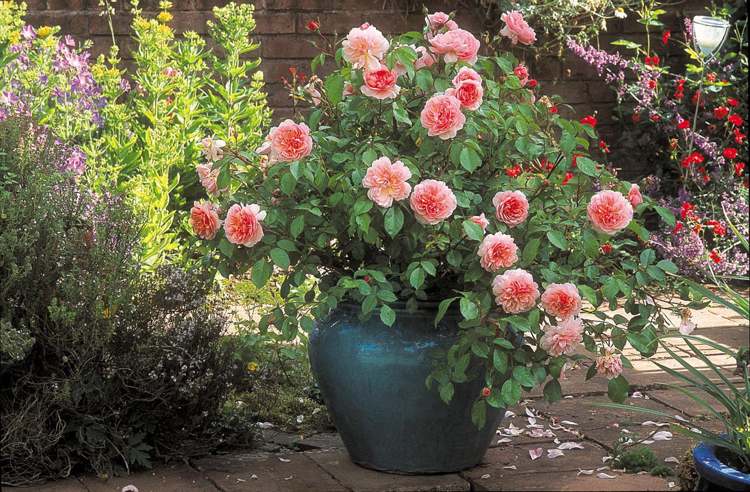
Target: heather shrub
x=102, y=366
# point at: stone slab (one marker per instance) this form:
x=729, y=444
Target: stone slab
x=323, y=440
x=687, y=405
x=173, y=478
x=67, y=485
x=358, y=479
x=494, y=473
x=569, y=481
x=265, y=472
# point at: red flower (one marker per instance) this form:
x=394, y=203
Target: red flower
x=313, y=25
x=568, y=177
x=553, y=109
x=606, y=248
x=696, y=96
x=735, y=119
x=718, y=227
x=739, y=168
x=683, y=124
x=679, y=93
x=486, y=392
x=603, y=146
x=739, y=137
x=730, y=153
x=574, y=160
x=733, y=102
x=665, y=37
x=532, y=83
x=514, y=171
x=652, y=61
x=636, y=117
x=694, y=157
x=686, y=210
x=711, y=77
x=677, y=227
x=715, y=256
x=655, y=118
x=651, y=84
x=589, y=120
x=721, y=112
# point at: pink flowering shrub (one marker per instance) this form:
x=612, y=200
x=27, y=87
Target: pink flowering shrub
x=449, y=182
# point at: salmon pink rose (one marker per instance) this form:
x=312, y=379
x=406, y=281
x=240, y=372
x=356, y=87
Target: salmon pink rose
x=515, y=291
x=208, y=178
x=563, y=338
x=242, y=224
x=425, y=58
x=466, y=73
x=287, y=142
x=211, y=148
x=481, y=221
x=516, y=29
x=380, y=83
x=469, y=92
x=561, y=300
x=432, y=202
x=442, y=116
x=348, y=89
x=609, y=365
x=439, y=19
x=364, y=47
x=522, y=73
x=387, y=182
x=456, y=45
x=634, y=195
x=609, y=212
x=511, y=207
x=204, y=219
x=497, y=251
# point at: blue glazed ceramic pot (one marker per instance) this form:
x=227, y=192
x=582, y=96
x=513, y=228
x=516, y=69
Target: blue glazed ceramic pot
x=373, y=380
x=714, y=474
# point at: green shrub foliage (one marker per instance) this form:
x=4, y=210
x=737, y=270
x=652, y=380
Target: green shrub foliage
x=103, y=366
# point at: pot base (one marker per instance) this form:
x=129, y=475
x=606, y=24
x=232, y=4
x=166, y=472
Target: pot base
x=372, y=378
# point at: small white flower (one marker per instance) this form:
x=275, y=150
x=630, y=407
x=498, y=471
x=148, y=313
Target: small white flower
x=620, y=13
x=212, y=148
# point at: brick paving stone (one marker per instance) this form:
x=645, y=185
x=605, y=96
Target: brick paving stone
x=687, y=405
x=323, y=440
x=174, y=478
x=358, y=479
x=266, y=472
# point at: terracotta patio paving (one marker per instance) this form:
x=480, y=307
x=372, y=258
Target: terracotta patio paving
x=286, y=462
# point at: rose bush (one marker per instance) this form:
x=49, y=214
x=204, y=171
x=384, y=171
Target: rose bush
x=406, y=186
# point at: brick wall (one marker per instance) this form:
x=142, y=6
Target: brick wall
x=285, y=40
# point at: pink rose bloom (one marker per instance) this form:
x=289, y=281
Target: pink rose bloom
x=511, y=207
x=432, y=202
x=425, y=58
x=442, y=116
x=364, y=47
x=522, y=73
x=609, y=365
x=211, y=148
x=515, y=290
x=469, y=93
x=634, y=195
x=204, y=219
x=208, y=177
x=563, y=338
x=456, y=45
x=380, y=83
x=287, y=142
x=242, y=224
x=481, y=221
x=516, y=28
x=437, y=20
x=561, y=300
x=466, y=73
x=609, y=212
x=497, y=251
x=387, y=182
x=314, y=94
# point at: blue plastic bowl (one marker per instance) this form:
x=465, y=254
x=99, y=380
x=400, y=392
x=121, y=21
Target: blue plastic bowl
x=713, y=471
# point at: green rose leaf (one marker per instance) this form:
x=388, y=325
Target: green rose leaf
x=552, y=391
x=387, y=315
x=334, y=86
x=469, y=309
x=262, y=271
x=617, y=389
x=280, y=258
x=479, y=413
x=511, y=392
x=587, y=166
x=473, y=230
x=393, y=221
x=470, y=159
x=558, y=239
